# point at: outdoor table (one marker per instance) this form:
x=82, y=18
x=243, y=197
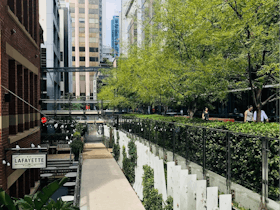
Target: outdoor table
x=67, y=198
x=73, y=167
x=50, y=168
x=45, y=175
x=69, y=184
x=71, y=174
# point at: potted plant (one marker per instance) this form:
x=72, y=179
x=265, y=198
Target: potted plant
x=77, y=146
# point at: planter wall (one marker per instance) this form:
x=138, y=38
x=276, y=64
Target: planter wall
x=187, y=191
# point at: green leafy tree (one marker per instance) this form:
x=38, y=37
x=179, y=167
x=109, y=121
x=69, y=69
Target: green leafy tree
x=38, y=201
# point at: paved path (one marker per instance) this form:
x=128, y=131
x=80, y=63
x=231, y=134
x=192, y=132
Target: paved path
x=103, y=184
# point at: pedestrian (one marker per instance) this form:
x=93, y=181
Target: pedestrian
x=205, y=114
x=248, y=114
x=263, y=116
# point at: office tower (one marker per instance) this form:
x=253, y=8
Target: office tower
x=115, y=35
x=49, y=20
x=65, y=31
x=86, y=29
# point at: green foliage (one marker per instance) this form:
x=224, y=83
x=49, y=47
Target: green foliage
x=81, y=128
x=132, y=151
x=195, y=51
x=116, y=148
x=151, y=199
x=169, y=203
x=262, y=129
x=77, y=146
x=77, y=135
x=38, y=201
x=128, y=168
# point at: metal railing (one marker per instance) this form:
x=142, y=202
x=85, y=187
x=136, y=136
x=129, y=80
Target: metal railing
x=249, y=160
x=77, y=191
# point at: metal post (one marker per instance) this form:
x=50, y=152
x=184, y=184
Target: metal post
x=173, y=140
x=149, y=133
x=139, y=128
x=187, y=144
x=117, y=127
x=228, y=171
x=264, y=171
x=277, y=106
x=204, y=153
x=157, y=146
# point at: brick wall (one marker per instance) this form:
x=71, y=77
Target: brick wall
x=17, y=78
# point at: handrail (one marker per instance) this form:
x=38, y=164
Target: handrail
x=78, y=182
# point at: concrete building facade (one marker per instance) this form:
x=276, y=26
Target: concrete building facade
x=49, y=20
x=107, y=53
x=20, y=73
x=115, y=43
x=133, y=16
x=65, y=31
x=86, y=42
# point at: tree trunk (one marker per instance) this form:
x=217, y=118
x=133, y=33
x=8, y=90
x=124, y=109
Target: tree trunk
x=259, y=111
x=191, y=114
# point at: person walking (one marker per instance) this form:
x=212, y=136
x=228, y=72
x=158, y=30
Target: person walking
x=205, y=114
x=263, y=116
x=248, y=114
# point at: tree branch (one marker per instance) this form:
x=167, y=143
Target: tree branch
x=274, y=99
x=235, y=10
x=268, y=99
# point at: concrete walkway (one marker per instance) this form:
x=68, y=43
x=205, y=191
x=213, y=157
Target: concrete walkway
x=103, y=184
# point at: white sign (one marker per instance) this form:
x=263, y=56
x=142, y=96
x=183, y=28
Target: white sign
x=22, y=161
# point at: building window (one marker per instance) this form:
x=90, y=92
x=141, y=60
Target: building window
x=93, y=30
x=93, y=49
x=93, y=20
x=92, y=40
x=73, y=48
x=73, y=20
x=81, y=10
x=82, y=39
x=82, y=78
x=93, y=11
x=72, y=10
x=73, y=58
x=92, y=1
x=82, y=49
x=82, y=20
x=81, y=1
x=94, y=59
x=82, y=29
x=61, y=56
x=82, y=58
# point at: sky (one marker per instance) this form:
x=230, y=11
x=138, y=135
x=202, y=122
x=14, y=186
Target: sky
x=113, y=7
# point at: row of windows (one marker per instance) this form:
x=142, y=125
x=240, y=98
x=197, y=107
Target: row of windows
x=82, y=30
x=82, y=20
x=94, y=59
x=91, y=30
x=82, y=11
x=82, y=49
x=83, y=77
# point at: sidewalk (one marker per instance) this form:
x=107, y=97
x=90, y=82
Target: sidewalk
x=103, y=184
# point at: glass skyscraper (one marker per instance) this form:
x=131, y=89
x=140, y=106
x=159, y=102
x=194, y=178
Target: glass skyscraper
x=115, y=43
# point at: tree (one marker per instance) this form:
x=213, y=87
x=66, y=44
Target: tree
x=250, y=37
x=38, y=200
x=195, y=51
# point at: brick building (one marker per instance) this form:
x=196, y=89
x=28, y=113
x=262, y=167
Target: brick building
x=20, y=73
